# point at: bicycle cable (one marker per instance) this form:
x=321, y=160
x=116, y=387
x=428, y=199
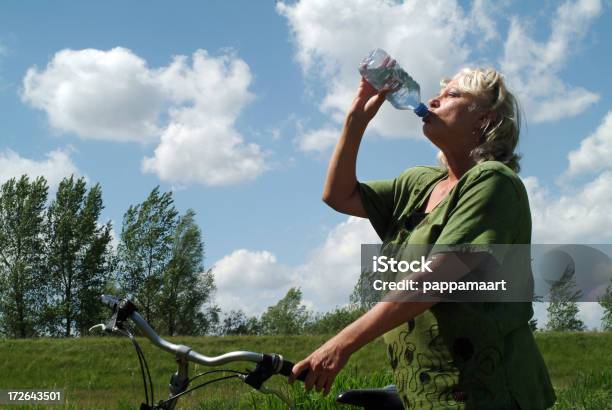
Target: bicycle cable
x=146, y=366
x=164, y=402
x=141, y=360
x=217, y=371
x=267, y=364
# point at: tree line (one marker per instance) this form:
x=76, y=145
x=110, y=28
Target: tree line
x=57, y=257
x=290, y=317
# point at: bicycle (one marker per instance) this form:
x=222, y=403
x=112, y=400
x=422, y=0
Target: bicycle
x=267, y=365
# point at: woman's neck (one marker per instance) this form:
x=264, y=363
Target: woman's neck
x=458, y=165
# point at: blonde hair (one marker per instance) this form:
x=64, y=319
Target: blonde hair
x=500, y=135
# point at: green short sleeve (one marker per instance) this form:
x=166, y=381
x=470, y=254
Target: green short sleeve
x=384, y=201
x=378, y=199
x=489, y=211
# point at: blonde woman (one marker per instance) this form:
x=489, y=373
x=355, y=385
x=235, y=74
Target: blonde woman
x=444, y=355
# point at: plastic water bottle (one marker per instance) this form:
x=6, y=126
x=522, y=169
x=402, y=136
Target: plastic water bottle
x=383, y=72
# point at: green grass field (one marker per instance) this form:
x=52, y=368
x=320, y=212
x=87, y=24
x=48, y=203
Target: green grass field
x=103, y=373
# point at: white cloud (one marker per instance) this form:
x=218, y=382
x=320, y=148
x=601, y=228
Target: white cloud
x=110, y=95
x=318, y=140
x=595, y=151
x=564, y=103
x=333, y=269
x=211, y=153
x=431, y=40
x=54, y=168
x=591, y=314
x=481, y=15
x=533, y=67
x=243, y=268
x=201, y=143
x=332, y=37
x=579, y=215
x=113, y=95
x=254, y=280
x=250, y=280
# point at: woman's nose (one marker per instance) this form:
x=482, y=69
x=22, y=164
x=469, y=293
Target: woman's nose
x=433, y=103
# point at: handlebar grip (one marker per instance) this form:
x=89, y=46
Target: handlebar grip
x=286, y=371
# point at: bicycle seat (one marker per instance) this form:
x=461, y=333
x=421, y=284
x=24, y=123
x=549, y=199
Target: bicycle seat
x=385, y=398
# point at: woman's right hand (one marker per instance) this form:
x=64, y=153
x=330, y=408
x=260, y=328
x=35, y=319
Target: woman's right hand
x=367, y=102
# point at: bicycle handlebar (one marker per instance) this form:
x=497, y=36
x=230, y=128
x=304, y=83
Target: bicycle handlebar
x=281, y=366
x=109, y=301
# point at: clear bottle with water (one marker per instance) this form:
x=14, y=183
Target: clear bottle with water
x=383, y=72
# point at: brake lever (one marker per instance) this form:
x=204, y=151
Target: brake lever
x=100, y=326
x=121, y=311
x=114, y=322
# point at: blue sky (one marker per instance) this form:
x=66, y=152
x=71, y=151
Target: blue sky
x=235, y=106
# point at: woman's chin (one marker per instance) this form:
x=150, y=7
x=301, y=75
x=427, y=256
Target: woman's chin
x=431, y=135
x=427, y=130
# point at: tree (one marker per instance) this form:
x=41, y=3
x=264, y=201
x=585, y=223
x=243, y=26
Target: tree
x=145, y=250
x=254, y=326
x=287, y=317
x=93, y=276
x=207, y=320
x=563, y=309
x=364, y=295
x=533, y=324
x=237, y=323
x=79, y=259
x=22, y=205
x=336, y=320
x=234, y=323
x=185, y=285
x=606, y=303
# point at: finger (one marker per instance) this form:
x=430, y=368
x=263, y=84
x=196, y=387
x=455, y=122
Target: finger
x=366, y=85
x=383, y=96
x=378, y=102
x=328, y=385
x=321, y=381
x=297, y=369
x=311, y=379
x=374, y=104
x=366, y=89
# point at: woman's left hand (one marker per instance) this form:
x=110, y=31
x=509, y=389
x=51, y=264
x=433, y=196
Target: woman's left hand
x=323, y=365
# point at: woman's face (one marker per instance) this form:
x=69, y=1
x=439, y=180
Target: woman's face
x=454, y=117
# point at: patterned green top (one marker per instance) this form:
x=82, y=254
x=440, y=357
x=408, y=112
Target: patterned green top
x=478, y=355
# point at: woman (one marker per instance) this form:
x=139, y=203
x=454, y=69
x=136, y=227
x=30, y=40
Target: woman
x=444, y=355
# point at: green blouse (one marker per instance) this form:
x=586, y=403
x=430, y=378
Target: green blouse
x=478, y=355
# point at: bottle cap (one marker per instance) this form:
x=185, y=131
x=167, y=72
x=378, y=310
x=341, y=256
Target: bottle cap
x=421, y=110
